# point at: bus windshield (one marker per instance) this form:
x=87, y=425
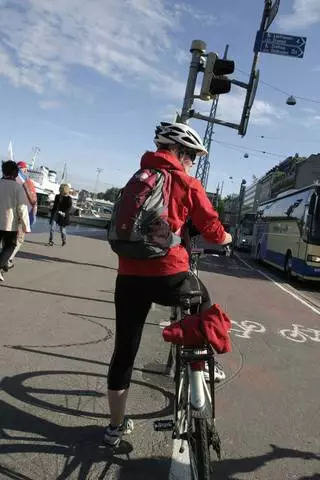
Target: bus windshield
x=315, y=230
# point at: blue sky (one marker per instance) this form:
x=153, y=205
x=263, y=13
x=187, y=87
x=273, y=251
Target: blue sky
x=88, y=82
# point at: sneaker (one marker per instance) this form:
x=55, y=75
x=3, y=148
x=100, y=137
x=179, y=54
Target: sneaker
x=113, y=435
x=8, y=267
x=1, y=277
x=219, y=374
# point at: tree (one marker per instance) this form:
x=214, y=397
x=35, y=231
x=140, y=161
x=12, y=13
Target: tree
x=220, y=206
x=110, y=195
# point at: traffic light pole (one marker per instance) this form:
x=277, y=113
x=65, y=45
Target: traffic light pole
x=203, y=167
x=198, y=48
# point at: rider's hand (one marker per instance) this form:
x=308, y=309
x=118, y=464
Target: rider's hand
x=227, y=240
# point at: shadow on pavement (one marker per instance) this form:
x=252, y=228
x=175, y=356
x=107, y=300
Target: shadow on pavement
x=57, y=294
x=20, y=387
x=47, y=258
x=108, y=334
x=316, y=476
x=81, y=448
x=230, y=266
x=70, y=448
x=75, y=452
x=76, y=231
x=82, y=315
x=145, y=468
x=229, y=468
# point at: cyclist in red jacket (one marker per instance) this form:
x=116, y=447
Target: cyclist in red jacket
x=160, y=280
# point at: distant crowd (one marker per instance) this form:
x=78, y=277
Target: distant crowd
x=18, y=212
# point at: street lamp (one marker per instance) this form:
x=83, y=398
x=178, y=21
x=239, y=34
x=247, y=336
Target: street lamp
x=291, y=101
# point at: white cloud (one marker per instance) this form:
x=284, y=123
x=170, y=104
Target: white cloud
x=231, y=105
x=308, y=110
x=182, y=56
x=192, y=10
x=122, y=40
x=305, y=13
x=49, y=104
x=67, y=131
x=309, y=121
x=168, y=113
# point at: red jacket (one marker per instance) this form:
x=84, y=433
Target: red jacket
x=188, y=199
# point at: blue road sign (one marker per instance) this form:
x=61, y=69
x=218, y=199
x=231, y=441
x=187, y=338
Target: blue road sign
x=279, y=44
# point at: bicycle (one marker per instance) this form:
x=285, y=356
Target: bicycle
x=194, y=406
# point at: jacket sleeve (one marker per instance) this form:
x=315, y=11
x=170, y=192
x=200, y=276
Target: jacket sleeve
x=69, y=206
x=54, y=207
x=204, y=217
x=22, y=210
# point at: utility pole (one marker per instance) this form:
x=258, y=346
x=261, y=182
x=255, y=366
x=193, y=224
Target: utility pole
x=241, y=198
x=99, y=171
x=221, y=189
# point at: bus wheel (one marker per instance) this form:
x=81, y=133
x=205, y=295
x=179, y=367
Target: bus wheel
x=288, y=266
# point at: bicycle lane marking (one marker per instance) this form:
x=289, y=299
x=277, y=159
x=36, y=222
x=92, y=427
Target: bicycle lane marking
x=284, y=289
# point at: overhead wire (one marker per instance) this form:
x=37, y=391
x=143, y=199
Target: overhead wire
x=248, y=149
x=305, y=99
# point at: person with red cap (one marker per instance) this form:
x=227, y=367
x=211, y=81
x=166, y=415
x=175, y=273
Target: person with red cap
x=31, y=196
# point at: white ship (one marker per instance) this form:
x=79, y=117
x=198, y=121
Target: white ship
x=45, y=180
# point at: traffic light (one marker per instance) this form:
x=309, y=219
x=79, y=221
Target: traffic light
x=214, y=81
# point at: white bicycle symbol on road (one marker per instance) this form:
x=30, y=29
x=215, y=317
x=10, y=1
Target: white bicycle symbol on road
x=245, y=328
x=301, y=334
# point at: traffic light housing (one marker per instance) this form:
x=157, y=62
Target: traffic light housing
x=214, y=81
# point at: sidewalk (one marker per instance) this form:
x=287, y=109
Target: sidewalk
x=57, y=333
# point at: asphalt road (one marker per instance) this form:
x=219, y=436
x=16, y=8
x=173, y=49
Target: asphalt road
x=57, y=328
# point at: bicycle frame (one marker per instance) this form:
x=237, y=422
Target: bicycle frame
x=194, y=407
x=199, y=400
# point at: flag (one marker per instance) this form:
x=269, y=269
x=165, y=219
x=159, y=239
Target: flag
x=10, y=151
x=21, y=178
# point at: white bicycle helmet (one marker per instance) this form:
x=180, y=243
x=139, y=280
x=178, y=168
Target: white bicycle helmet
x=172, y=133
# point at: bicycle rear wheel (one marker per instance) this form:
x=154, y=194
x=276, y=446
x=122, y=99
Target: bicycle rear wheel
x=199, y=450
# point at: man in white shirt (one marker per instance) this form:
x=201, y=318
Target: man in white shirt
x=13, y=211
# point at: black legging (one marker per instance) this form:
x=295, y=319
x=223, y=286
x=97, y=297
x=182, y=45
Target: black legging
x=133, y=299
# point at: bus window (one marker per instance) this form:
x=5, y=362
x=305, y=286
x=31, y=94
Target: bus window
x=315, y=230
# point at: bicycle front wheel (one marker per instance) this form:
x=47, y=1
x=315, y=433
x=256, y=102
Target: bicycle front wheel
x=199, y=450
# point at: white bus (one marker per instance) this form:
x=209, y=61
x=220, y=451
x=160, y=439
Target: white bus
x=287, y=233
